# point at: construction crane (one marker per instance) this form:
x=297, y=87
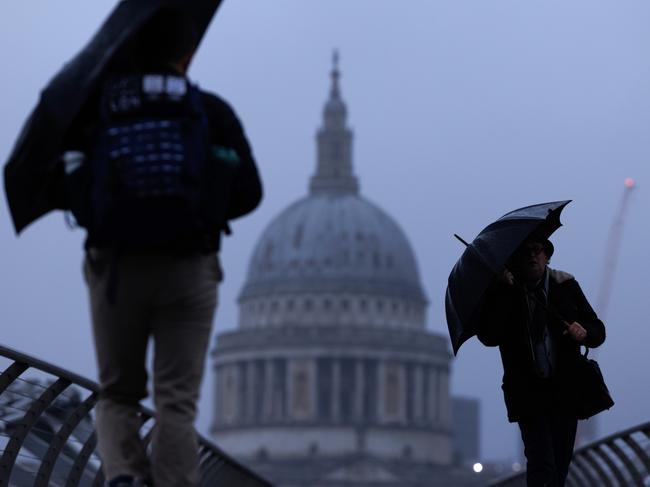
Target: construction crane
x=613, y=250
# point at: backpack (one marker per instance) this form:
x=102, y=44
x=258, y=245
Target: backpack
x=147, y=181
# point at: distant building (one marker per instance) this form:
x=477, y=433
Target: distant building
x=331, y=378
x=466, y=427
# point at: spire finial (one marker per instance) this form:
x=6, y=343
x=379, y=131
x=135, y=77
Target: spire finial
x=336, y=74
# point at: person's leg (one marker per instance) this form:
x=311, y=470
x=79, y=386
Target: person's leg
x=538, y=448
x=120, y=335
x=181, y=328
x=563, y=430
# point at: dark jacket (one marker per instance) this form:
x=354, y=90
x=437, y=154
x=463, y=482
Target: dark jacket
x=504, y=322
x=226, y=130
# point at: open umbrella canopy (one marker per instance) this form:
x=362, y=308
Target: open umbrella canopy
x=33, y=172
x=487, y=256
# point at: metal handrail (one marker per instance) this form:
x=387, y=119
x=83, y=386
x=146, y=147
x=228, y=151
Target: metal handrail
x=618, y=460
x=52, y=442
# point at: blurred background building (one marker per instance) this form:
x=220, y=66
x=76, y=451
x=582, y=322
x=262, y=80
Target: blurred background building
x=332, y=377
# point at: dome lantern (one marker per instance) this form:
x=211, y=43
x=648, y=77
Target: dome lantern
x=334, y=172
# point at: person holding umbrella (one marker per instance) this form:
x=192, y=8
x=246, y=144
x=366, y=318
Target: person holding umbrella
x=503, y=290
x=539, y=318
x=154, y=169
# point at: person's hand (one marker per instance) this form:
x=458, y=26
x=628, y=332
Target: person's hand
x=506, y=277
x=575, y=331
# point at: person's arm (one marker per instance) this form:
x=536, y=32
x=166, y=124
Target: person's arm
x=226, y=130
x=247, y=188
x=586, y=317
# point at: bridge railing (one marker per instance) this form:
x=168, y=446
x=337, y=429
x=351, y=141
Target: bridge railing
x=619, y=460
x=47, y=433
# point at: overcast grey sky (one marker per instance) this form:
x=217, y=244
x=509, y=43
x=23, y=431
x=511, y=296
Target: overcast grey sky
x=462, y=110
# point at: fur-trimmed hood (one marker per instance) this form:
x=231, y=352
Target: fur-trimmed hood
x=559, y=276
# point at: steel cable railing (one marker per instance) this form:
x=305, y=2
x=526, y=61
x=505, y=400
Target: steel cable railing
x=47, y=434
x=618, y=460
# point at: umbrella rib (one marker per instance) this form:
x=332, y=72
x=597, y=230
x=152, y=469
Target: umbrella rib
x=461, y=239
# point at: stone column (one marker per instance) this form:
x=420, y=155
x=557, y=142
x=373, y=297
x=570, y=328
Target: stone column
x=403, y=414
x=218, y=395
x=250, y=400
x=433, y=413
x=313, y=387
x=288, y=388
x=269, y=373
x=359, y=388
x=418, y=396
x=336, y=390
x=281, y=398
x=381, y=392
x=444, y=406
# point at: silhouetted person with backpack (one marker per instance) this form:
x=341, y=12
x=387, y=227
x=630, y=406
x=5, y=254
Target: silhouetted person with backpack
x=154, y=177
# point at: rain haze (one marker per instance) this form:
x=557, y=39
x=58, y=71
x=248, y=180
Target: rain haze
x=462, y=110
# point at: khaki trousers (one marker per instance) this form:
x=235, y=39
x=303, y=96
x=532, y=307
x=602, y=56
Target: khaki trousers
x=171, y=299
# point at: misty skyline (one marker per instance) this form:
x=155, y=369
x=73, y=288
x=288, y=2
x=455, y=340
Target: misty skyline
x=461, y=112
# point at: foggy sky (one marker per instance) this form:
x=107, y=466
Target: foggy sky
x=462, y=110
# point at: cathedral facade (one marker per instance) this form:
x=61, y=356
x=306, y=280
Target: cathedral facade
x=331, y=377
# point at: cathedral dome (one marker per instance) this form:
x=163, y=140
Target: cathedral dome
x=333, y=257
x=334, y=241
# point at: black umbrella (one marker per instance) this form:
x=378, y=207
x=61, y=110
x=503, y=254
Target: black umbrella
x=486, y=256
x=32, y=172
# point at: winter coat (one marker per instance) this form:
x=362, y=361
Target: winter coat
x=504, y=322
